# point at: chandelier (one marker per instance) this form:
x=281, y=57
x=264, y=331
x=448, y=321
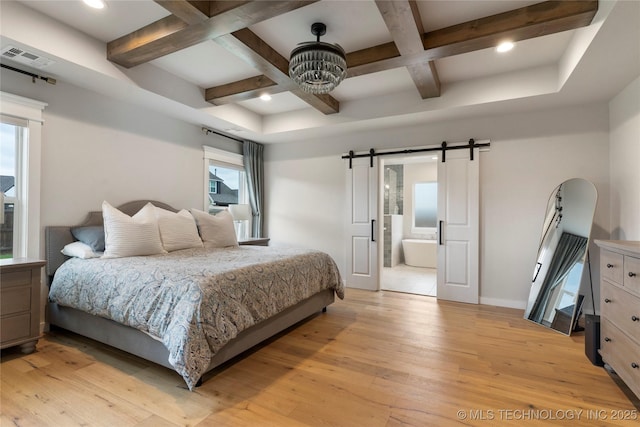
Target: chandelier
x=317, y=67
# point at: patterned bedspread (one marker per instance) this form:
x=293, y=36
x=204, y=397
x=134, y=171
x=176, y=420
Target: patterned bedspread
x=195, y=300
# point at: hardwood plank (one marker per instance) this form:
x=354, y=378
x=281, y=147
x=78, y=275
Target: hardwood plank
x=375, y=359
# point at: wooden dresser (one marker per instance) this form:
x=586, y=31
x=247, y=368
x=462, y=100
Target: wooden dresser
x=20, y=303
x=620, y=309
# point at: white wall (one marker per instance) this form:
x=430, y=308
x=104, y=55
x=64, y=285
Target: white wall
x=530, y=155
x=624, y=140
x=95, y=148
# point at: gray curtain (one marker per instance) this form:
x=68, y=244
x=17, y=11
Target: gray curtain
x=253, y=167
x=571, y=249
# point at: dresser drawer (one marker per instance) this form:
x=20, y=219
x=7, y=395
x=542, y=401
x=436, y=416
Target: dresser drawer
x=622, y=354
x=14, y=328
x=15, y=300
x=622, y=309
x=611, y=266
x=16, y=278
x=632, y=274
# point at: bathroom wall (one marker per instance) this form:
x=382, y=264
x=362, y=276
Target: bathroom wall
x=393, y=193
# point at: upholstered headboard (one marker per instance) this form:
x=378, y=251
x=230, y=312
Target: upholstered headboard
x=56, y=237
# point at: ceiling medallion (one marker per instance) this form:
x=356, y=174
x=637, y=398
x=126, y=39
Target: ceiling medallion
x=318, y=67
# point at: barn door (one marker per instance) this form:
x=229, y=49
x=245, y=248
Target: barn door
x=458, y=226
x=362, y=227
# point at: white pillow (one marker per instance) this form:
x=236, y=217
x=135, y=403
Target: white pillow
x=130, y=236
x=216, y=231
x=79, y=250
x=177, y=230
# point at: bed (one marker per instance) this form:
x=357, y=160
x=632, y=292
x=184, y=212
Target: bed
x=189, y=310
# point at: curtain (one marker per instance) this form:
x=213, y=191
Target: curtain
x=570, y=249
x=254, y=168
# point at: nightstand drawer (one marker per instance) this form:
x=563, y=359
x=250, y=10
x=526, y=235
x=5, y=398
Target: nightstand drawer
x=20, y=280
x=15, y=300
x=14, y=328
x=16, y=278
x=254, y=241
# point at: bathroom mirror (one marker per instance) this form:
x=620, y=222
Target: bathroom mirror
x=555, y=299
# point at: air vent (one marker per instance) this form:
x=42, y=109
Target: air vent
x=24, y=57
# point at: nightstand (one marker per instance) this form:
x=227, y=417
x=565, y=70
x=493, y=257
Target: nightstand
x=255, y=241
x=20, y=303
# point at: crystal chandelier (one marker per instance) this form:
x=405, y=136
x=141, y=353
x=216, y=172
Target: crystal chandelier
x=318, y=67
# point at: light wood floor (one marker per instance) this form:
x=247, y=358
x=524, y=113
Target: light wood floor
x=375, y=359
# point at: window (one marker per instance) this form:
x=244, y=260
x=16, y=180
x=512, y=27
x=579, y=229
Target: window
x=20, y=135
x=13, y=134
x=213, y=185
x=227, y=185
x=425, y=205
x=226, y=180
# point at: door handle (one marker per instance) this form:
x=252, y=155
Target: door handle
x=440, y=232
x=373, y=227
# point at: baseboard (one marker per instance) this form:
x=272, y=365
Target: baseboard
x=499, y=302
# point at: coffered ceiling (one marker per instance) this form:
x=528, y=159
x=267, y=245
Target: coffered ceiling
x=408, y=61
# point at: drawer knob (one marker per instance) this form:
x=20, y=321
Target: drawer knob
x=607, y=339
x=609, y=265
x=632, y=274
x=634, y=365
x=607, y=300
x=635, y=318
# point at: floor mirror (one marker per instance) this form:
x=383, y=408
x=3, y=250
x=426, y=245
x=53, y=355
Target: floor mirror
x=555, y=299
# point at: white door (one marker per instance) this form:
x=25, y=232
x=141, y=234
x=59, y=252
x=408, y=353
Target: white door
x=458, y=226
x=362, y=226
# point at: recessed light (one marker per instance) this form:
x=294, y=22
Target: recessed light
x=504, y=47
x=96, y=4
x=265, y=97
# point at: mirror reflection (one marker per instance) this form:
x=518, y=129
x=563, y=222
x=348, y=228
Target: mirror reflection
x=555, y=300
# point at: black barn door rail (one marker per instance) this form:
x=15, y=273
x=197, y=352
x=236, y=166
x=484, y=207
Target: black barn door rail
x=444, y=147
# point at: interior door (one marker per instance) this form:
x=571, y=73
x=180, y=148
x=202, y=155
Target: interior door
x=362, y=226
x=458, y=226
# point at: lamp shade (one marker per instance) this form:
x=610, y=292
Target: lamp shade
x=241, y=212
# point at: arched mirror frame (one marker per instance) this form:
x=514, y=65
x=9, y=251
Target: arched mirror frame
x=555, y=299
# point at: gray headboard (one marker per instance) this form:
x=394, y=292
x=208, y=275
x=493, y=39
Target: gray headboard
x=56, y=237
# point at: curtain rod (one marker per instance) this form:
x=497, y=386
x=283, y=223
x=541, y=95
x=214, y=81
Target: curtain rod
x=207, y=131
x=33, y=76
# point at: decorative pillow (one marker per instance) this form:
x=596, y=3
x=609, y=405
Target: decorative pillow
x=216, y=231
x=92, y=235
x=177, y=230
x=79, y=250
x=130, y=236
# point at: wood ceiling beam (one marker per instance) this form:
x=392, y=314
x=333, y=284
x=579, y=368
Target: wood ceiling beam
x=405, y=25
x=520, y=24
x=242, y=90
x=247, y=46
x=191, y=12
x=171, y=34
x=528, y=22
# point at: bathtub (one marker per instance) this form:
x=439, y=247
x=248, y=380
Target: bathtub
x=420, y=253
